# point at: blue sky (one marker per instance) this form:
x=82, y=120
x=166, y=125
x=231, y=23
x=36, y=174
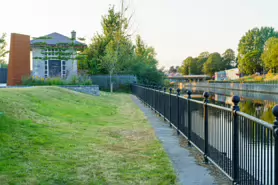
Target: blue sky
x=175, y=28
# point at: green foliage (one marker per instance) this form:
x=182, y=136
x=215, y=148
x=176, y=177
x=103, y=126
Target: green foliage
x=113, y=52
x=3, y=51
x=251, y=47
x=174, y=69
x=194, y=66
x=270, y=54
x=74, y=80
x=189, y=66
x=213, y=64
x=229, y=59
x=3, y=65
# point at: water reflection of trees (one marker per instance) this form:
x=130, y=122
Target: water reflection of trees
x=261, y=109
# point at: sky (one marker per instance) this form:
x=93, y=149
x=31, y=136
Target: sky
x=175, y=28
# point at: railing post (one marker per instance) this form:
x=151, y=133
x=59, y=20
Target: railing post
x=164, y=89
x=275, y=132
x=178, y=111
x=159, y=100
x=189, y=116
x=206, y=96
x=235, y=154
x=170, y=107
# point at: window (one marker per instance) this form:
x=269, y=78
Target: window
x=63, y=69
x=45, y=69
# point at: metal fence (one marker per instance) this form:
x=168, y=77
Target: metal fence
x=3, y=75
x=119, y=81
x=243, y=147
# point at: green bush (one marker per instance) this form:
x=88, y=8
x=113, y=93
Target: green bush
x=37, y=81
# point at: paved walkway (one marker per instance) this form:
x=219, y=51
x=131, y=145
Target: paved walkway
x=188, y=172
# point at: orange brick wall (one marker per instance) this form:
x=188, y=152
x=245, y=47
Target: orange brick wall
x=19, y=64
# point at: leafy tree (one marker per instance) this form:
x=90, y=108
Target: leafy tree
x=109, y=61
x=204, y=54
x=115, y=44
x=213, y=64
x=201, y=60
x=228, y=58
x=270, y=54
x=251, y=47
x=3, y=51
x=189, y=66
x=173, y=69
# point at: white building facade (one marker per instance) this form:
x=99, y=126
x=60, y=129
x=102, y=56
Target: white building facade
x=54, y=55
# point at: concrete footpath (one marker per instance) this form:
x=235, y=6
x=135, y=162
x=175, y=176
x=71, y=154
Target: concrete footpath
x=187, y=170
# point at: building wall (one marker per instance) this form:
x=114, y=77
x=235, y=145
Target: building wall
x=39, y=65
x=232, y=74
x=19, y=60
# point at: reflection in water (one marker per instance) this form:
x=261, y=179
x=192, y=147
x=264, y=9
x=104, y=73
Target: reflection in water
x=261, y=109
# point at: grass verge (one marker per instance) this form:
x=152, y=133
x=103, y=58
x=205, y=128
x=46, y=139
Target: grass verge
x=51, y=135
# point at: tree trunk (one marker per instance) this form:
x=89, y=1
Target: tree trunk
x=111, y=85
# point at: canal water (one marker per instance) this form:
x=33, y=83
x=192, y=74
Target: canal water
x=256, y=150
x=255, y=104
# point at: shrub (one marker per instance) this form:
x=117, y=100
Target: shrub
x=37, y=81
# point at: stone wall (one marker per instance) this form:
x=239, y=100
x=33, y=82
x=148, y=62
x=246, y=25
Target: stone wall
x=90, y=89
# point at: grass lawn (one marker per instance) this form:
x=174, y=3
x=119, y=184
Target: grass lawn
x=51, y=135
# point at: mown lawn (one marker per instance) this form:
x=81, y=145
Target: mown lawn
x=51, y=135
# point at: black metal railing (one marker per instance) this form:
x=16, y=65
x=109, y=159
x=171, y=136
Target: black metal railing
x=243, y=147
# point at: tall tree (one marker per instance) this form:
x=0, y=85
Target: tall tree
x=228, y=58
x=115, y=44
x=189, y=66
x=213, y=64
x=109, y=61
x=251, y=47
x=3, y=51
x=201, y=60
x=270, y=54
x=172, y=69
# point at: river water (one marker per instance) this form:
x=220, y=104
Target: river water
x=255, y=104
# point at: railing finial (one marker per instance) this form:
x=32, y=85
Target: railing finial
x=170, y=90
x=275, y=113
x=164, y=89
x=206, y=96
x=189, y=92
x=236, y=100
x=178, y=91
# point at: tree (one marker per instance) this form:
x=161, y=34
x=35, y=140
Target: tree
x=228, y=58
x=270, y=54
x=204, y=54
x=173, y=69
x=115, y=44
x=213, y=64
x=109, y=61
x=189, y=66
x=201, y=60
x=3, y=51
x=251, y=47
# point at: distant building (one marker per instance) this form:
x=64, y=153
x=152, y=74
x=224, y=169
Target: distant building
x=230, y=74
x=188, y=78
x=54, y=55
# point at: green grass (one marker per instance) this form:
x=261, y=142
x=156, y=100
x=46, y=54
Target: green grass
x=50, y=135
